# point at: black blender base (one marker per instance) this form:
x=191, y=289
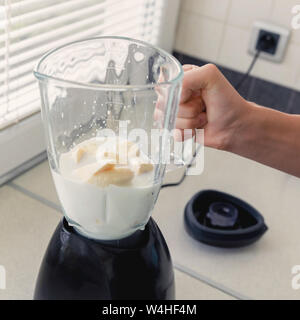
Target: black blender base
x=75, y=267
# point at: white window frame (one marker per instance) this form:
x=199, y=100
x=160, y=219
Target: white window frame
x=22, y=145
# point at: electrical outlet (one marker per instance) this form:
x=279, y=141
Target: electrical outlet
x=277, y=39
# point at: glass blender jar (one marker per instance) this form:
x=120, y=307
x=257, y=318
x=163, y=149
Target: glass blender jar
x=108, y=107
x=107, y=85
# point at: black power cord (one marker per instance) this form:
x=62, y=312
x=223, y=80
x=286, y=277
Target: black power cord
x=246, y=75
x=266, y=42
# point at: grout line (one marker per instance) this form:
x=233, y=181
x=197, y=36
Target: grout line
x=14, y=173
x=34, y=196
x=203, y=15
x=225, y=23
x=177, y=266
x=289, y=106
x=210, y=282
x=272, y=9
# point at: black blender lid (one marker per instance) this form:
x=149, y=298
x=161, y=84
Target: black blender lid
x=219, y=219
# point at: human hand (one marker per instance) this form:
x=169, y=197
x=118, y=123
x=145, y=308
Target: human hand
x=209, y=102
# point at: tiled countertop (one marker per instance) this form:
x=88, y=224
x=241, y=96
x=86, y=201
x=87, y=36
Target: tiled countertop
x=259, y=271
x=29, y=212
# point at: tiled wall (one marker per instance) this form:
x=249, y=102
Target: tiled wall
x=219, y=31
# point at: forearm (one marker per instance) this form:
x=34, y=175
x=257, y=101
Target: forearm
x=269, y=137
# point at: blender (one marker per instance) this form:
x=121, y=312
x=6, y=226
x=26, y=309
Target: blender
x=100, y=100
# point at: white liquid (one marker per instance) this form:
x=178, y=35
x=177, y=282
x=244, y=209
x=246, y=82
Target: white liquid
x=107, y=213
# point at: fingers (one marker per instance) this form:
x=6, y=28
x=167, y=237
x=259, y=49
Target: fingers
x=191, y=108
x=193, y=123
x=191, y=113
x=188, y=67
x=181, y=135
x=197, y=121
x=198, y=78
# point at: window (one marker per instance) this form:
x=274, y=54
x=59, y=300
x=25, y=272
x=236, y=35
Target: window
x=29, y=28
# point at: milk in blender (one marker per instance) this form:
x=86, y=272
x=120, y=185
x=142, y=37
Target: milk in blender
x=106, y=186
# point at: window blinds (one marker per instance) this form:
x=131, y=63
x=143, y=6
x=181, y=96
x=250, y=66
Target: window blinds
x=29, y=28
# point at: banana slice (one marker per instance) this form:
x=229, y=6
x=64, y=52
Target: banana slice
x=134, y=151
x=117, y=176
x=118, y=150
x=105, y=153
x=77, y=154
x=85, y=173
x=122, y=151
x=89, y=147
x=140, y=166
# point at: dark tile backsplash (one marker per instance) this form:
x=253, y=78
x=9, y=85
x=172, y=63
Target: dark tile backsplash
x=257, y=90
x=270, y=95
x=294, y=104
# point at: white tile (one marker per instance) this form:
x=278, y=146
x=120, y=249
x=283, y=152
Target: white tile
x=39, y=181
x=210, y=8
x=243, y=13
x=26, y=227
x=259, y=271
x=281, y=14
x=188, y=288
x=199, y=36
x=297, y=83
x=181, y=32
x=233, y=52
